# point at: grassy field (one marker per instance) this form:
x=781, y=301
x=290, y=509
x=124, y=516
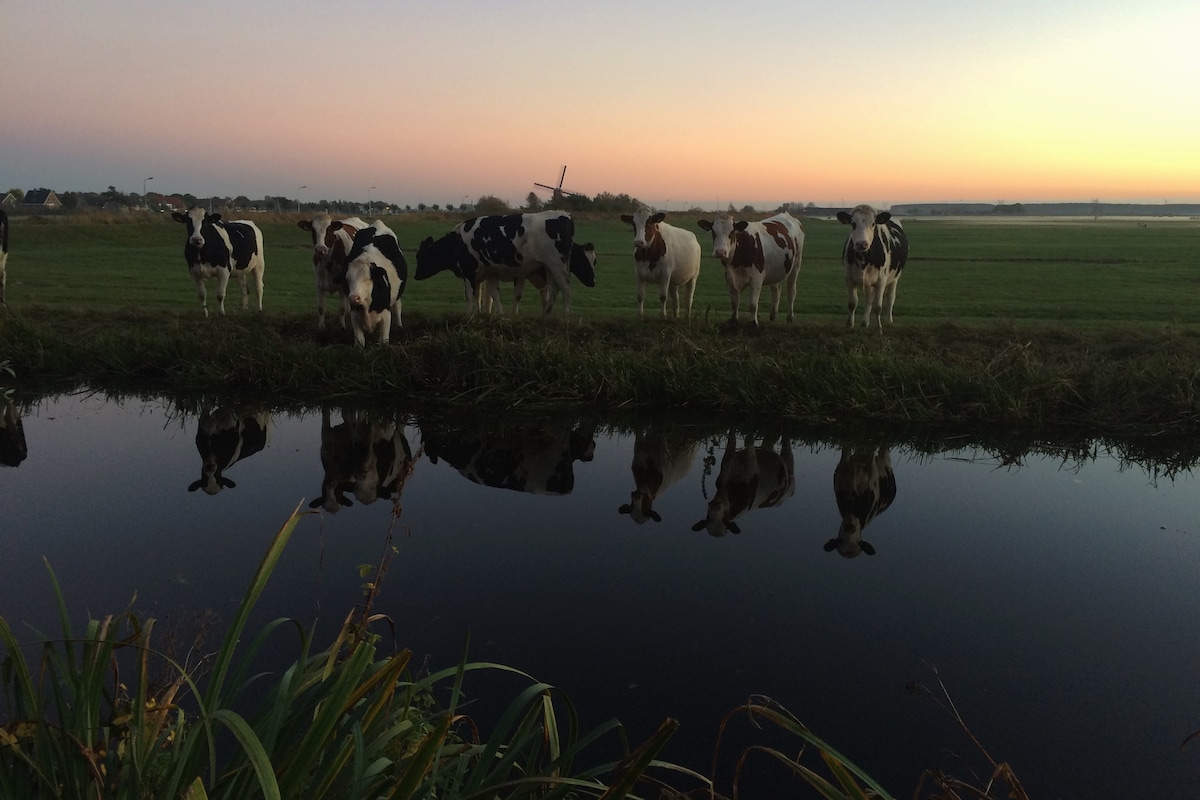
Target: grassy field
x=1082, y=273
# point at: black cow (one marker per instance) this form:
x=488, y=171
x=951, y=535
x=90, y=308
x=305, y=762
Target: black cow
x=3, y=255
x=217, y=249
x=864, y=486
x=224, y=438
x=376, y=273
x=873, y=257
x=526, y=459
x=513, y=247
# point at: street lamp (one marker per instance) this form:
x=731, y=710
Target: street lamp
x=369, y=199
x=144, y=189
x=298, y=188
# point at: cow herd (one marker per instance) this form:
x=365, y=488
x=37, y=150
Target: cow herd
x=363, y=268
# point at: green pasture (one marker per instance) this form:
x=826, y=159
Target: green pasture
x=1081, y=272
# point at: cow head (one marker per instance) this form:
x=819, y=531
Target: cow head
x=195, y=219
x=583, y=263
x=725, y=234
x=318, y=226
x=645, y=224
x=862, y=221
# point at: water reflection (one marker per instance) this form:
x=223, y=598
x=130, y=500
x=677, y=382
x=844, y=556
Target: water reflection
x=864, y=486
x=224, y=437
x=535, y=458
x=754, y=476
x=370, y=457
x=662, y=456
x=12, y=437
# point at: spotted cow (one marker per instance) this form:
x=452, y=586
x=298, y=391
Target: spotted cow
x=582, y=268
x=873, y=257
x=758, y=254
x=331, y=246
x=3, y=255
x=376, y=274
x=664, y=256
x=750, y=477
x=864, y=486
x=510, y=247
x=369, y=458
x=661, y=458
x=534, y=459
x=224, y=437
x=218, y=249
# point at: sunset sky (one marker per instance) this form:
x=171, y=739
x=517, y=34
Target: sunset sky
x=675, y=103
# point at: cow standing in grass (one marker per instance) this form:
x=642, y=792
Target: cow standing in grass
x=873, y=257
x=665, y=256
x=218, y=249
x=331, y=246
x=3, y=254
x=758, y=254
x=376, y=274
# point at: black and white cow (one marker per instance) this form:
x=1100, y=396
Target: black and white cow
x=582, y=268
x=376, y=274
x=873, y=257
x=661, y=458
x=217, y=249
x=758, y=254
x=13, y=449
x=533, y=459
x=3, y=255
x=510, y=247
x=225, y=437
x=665, y=256
x=370, y=458
x=864, y=486
x=755, y=476
x=331, y=246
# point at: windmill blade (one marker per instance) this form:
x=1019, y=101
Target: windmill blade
x=562, y=176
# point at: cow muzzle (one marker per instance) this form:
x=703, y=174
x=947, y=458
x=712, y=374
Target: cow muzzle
x=196, y=241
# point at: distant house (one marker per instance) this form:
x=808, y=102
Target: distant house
x=43, y=199
x=9, y=202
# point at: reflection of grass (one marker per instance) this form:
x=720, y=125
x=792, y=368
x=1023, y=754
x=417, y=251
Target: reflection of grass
x=91, y=716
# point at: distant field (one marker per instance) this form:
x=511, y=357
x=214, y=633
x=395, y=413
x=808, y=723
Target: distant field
x=1077, y=271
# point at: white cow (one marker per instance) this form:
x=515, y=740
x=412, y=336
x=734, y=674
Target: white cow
x=758, y=254
x=873, y=256
x=331, y=245
x=665, y=256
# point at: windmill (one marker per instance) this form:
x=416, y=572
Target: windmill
x=557, y=192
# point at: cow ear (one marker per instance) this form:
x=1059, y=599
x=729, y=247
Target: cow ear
x=866, y=548
x=228, y=484
x=654, y=516
x=627, y=219
x=705, y=225
x=336, y=225
x=699, y=526
x=305, y=225
x=175, y=215
x=831, y=545
x=843, y=217
x=741, y=226
x=659, y=217
x=731, y=525
x=214, y=217
x=625, y=509
x=193, y=486
x=883, y=216
x=316, y=503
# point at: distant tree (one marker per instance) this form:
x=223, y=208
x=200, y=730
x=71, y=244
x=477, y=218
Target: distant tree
x=576, y=202
x=241, y=201
x=748, y=209
x=533, y=202
x=70, y=200
x=17, y=193
x=490, y=204
x=421, y=206
x=607, y=201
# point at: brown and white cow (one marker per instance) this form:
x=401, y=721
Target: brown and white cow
x=509, y=247
x=369, y=458
x=754, y=476
x=665, y=256
x=219, y=249
x=758, y=254
x=864, y=486
x=331, y=246
x=661, y=458
x=3, y=255
x=873, y=257
x=376, y=274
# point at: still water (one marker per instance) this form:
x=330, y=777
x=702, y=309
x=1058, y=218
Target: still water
x=673, y=571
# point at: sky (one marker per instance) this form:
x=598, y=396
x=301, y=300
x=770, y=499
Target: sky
x=678, y=104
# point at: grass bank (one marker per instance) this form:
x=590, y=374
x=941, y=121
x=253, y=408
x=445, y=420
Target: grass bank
x=1129, y=379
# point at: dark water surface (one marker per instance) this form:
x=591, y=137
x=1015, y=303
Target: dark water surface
x=1059, y=601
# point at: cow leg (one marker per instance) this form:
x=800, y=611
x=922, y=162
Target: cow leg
x=776, y=291
x=689, y=292
x=560, y=281
x=851, y=303
x=874, y=300
x=889, y=297
x=755, y=297
x=258, y=285
x=241, y=280
x=735, y=294
x=664, y=289
x=641, y=297
x=396, y=309
x=202, y=293
x=791, y=293
x=3, y=277
x=518, y=292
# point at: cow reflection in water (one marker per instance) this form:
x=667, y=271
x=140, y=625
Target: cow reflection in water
x=752, y=477
x=864, y=485
x=12, y=437
x=660, y=459
x=367, y=457
x=225, y=437
x=533, y=459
